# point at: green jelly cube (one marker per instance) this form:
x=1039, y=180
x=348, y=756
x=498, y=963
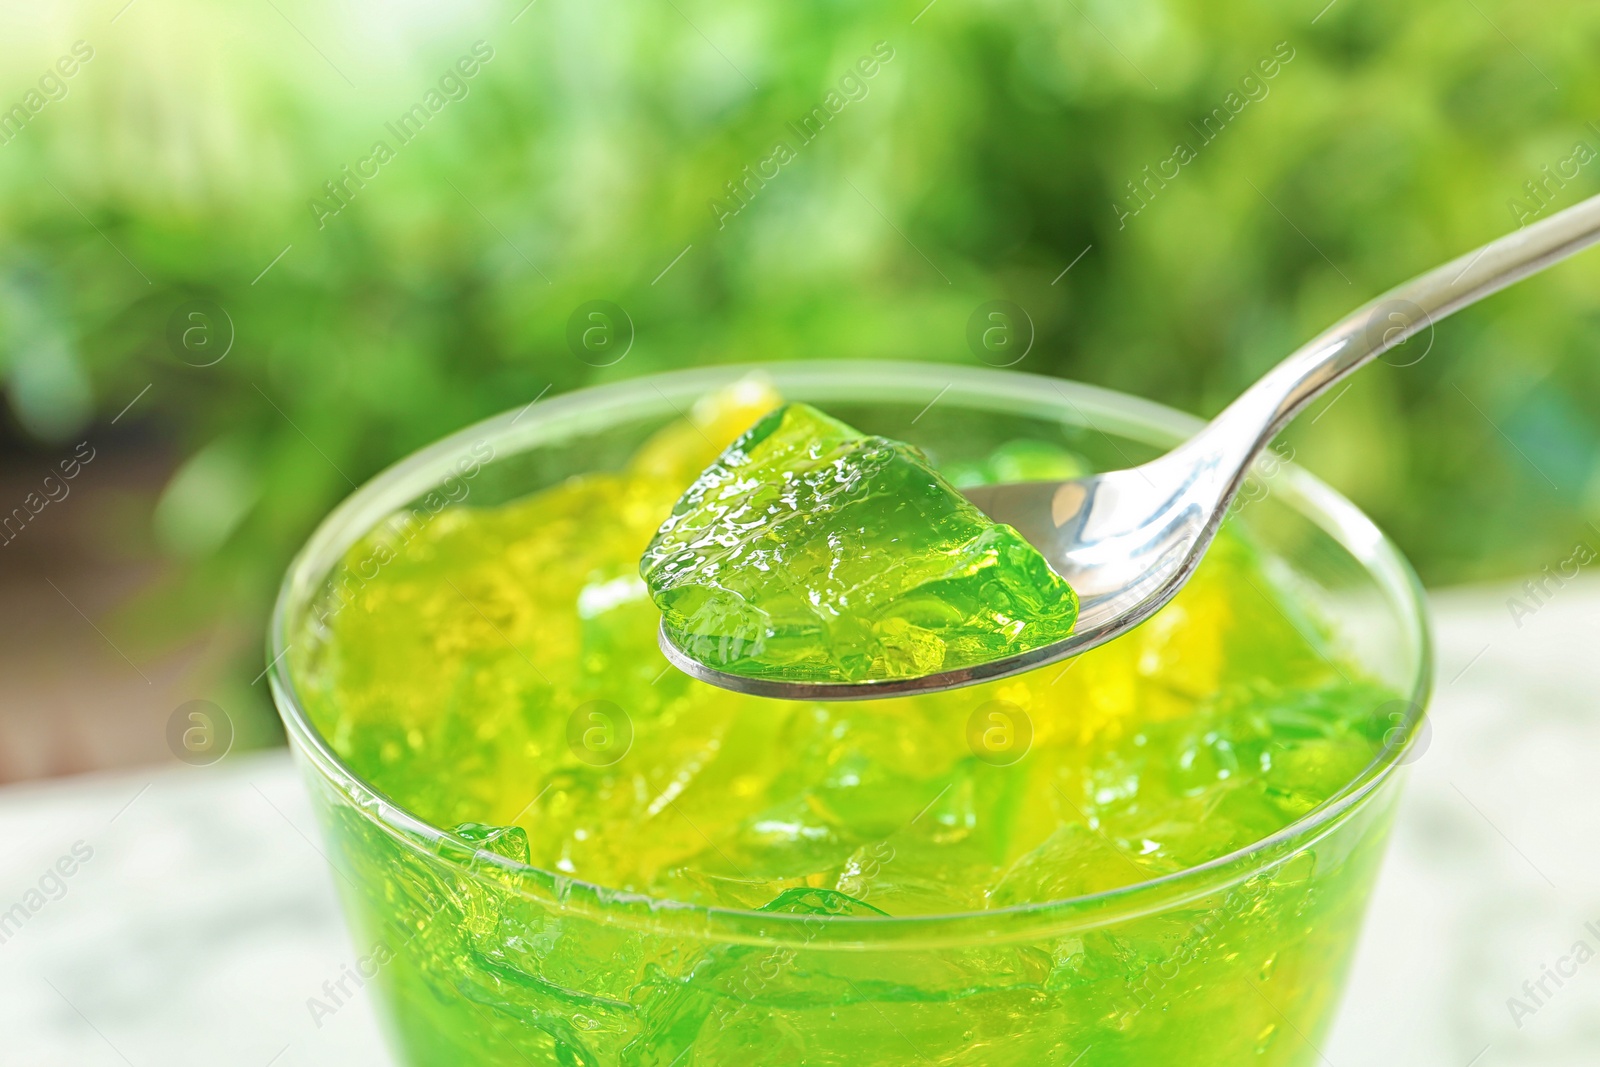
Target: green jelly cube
x=810, y=551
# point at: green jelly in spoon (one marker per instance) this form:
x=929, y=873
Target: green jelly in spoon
x=812, y=552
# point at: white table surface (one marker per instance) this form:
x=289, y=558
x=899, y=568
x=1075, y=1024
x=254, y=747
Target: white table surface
x=205, y=917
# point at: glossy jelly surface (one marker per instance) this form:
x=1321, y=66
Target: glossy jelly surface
x=809, y=551
x=494, y=670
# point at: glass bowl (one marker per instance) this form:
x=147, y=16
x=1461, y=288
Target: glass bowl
x=480, y=959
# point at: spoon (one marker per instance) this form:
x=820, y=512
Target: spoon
x=1128, y=540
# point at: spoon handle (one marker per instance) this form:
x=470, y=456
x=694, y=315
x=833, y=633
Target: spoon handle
x=1251, y=421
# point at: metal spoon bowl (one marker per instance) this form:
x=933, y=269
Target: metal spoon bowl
x=1128, y=540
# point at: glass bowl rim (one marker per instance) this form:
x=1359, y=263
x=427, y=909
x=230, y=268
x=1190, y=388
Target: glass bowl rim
x=411, y=477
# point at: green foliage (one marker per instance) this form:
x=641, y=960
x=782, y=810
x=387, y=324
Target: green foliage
x=594, y=146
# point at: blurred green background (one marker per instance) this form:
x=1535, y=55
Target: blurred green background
x=586, y=157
